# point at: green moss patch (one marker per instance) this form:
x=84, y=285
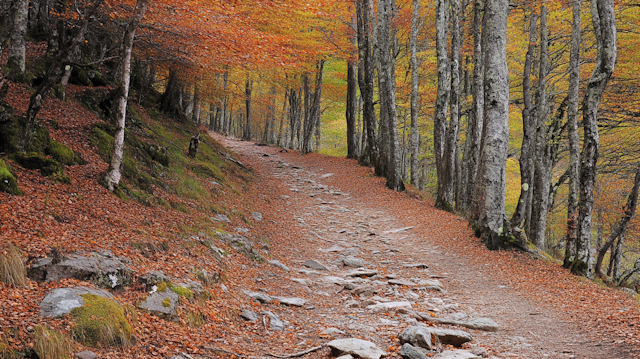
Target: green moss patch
x=101, y=322
x=47, y=166
x=63, y=154
x=180, y=291
x=8, y=180
x=166, y=302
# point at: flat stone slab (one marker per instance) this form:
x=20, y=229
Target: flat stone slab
x=303, y=281
x=279, y=264
x=451, y=336
x=248, y=315
x=332, y=249
x=275, y=323
x=456, y=354
x=61, y=301
x=388, y=306
x=415, y=265
x=405, y=282
x=315, y=265
x=484, y=324
x=357, y=347
x=362, y=273
x=351, y=261
x=260, y=297
x=104, y=269
x=156, y=304
x=291, y=301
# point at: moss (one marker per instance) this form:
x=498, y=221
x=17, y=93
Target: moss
x=48, y=343
x=100, y=321
x=102, y=138
x=63, y=154
x=166, y=302
x=8, y=180
x=578, y=267
x=158, y=154
x=207, y=170
x=182, y=291
x=47, y=166
x=13, y=130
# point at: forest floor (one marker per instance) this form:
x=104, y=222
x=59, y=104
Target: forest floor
x=544, y=311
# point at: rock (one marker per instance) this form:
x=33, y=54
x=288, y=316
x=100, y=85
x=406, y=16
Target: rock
x=451, y=336
x=103, y=269
x=408, y=283
x=196, y=287
x=351, y=304
x=408, y=351
x=241, y=244
x=363, y=291
x=221, y=218
x=485, y=324
x=417, y=336
x=346, y=356
x=61, y=301
x=162, y=304
x=248, y=315
x=260, y=297
x=291, y=301
x=479, y=351
x=415, y=265
x=303, y=281
x=86, y=355
x=387, y=306
x=350, y=252
x=279, y=265
x=430, y=282
x=456, y=354
x=362, y=273
x=257, y=216
x=153, y=278
x=314, y=265
x=331, y=332
x=332, y=249
x=275, y=323
x=356, y=347
x=351, y=261
x=333, y=280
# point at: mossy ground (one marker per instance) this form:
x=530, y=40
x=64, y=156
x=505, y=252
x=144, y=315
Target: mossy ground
x=8, y=180
x=180, y=291
x=101, y=322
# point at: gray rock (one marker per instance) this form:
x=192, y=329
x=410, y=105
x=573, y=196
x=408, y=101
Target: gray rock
x=417, y=336
x=381, y=307
x=363, y=291
x=248, y=315
x=479, y=351
x=346, y=356
x=103, y=269
x=356, y=347
x=275, y=323
x=333, y=279
x=260, y=297
x=257, y=216
x=485, y=324
x=156, y=304
x=332, y=249
x=152, y=278
x=430, y=282
x=408, y=351
x=291, y=301
x=278, y=264
x=196, y=287
x=405, y=282
x=241, y=244
x=61, y=301
x=362, y=273
x=331, y=332
x=415, y=265
x=86, y=355
x=350, y=252
x=351, y=304
x=456, y=354
x=314, y=265
x=303, y=281
x=451, y=336
x=221, y=218
x=351, y=261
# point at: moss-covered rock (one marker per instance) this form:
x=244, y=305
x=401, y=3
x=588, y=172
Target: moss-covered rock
x=63, y=154
x=79, y=76
x=12, y=133
x=100, y=321
x=47, y=166
x=101, y=136
x=8, y=180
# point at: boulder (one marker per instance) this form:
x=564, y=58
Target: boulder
x=248, y=315
x=357, y=347
x=103, y=269
x=351, y=261
x=314, y=265
x=61, y=301
x=162, y=304
x=275, y=323
x=451, y=336
x=456, y=354
x=418, y=336
x=408, y=351
x=279, y=265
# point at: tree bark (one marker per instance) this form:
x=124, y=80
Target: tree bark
x=415, y=96
x=312, y=107
x=489, y=216
x=16, y=61
x=528, y=127
x=574, y=139
x=444, y=199
x=604, y=23
x=351, y=111
x=247, y=93
x=366, y=80
x=114, y=174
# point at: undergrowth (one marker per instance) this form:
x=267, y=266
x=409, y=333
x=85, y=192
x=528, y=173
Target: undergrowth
x=50, y=344
x=12, y=269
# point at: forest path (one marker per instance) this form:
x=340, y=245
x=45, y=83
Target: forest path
x=323, y=203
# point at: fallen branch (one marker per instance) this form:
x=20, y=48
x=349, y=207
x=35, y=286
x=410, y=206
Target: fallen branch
x=294, y=355
x=225, y=351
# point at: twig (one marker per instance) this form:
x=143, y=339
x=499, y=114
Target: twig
x=225, y=351
x=294, y=355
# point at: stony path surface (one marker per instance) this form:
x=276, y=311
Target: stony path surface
x=343, y=228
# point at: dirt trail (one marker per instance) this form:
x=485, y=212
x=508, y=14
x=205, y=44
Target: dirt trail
x=333, y=203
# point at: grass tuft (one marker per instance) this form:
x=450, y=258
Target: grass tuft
x=12, y=270
x=50, y=344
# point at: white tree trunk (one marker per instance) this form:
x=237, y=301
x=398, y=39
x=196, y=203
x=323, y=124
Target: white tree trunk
x=16, y=62
x=415, y=97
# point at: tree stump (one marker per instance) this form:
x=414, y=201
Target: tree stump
x=193, y=145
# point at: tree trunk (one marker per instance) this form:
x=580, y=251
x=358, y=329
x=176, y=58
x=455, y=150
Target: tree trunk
x=294, y=116
x=528, y=127
x=604, y=23
x=415, y=83
x=574, y=139
x=195, y=114
x=247, y=94
x=170, y=99
x=16, y=61
x=351, y=111
x=114, y=174
x=366, y=79
x=620, y=227
x=489, y=216
x=444, y=199
x=282, y=133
